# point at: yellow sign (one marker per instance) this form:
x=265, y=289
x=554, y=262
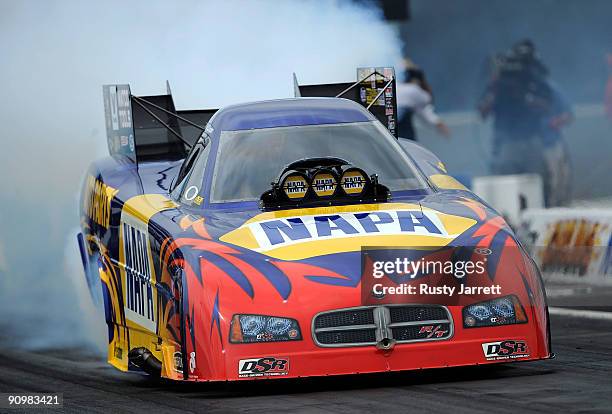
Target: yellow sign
x=353, y=182
x=324, y=184
x=295, y=186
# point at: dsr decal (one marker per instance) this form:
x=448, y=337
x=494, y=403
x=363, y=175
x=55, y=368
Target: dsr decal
x=509, y=349
x=263, y=367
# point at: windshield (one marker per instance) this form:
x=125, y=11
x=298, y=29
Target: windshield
x=249, y=160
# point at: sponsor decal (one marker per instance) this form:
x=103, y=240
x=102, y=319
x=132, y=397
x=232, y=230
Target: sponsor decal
x=263, y=367
x=119, y=127
x=324, y=184
x=192, y=362
x=139, y=293
x=113, y=112
x=178, y=362
x=272, y=233
x=198, y=200
x=191, y=193
x=124, y=108
x=118, y=352
x=295, y=186
x=431, y=331
x=508, y=349
x=381, y=96
x=302, y=233
x=97, y=205
x=353, y=182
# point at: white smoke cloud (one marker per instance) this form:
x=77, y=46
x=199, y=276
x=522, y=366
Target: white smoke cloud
x=55, y=57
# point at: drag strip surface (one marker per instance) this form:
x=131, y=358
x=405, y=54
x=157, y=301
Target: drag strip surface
x=578, y=380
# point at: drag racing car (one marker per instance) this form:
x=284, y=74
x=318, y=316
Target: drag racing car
x=247, y=242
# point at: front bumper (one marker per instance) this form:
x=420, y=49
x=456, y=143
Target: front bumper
x=467, y=346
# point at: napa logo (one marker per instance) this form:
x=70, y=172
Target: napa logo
x=325, y=231
x=324, y=184
x=137, y=272
x=295, y=230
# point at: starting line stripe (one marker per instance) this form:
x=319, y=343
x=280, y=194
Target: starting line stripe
x=589, y=314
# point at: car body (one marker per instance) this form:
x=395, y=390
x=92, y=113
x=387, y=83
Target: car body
x=200, y=282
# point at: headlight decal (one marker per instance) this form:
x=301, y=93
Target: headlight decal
x=247, y=328
x=506, y=310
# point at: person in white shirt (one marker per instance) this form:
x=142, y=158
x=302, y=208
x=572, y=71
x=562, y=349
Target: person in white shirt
x=414, y=97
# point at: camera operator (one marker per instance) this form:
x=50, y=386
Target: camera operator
x=529, y=112
x=414, y=96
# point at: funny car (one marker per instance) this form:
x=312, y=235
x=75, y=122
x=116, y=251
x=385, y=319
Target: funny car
x=246, y=243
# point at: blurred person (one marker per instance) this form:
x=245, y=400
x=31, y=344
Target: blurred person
x=529, y=113
x=414, y=96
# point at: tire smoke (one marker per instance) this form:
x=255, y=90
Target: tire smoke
x=55, y=57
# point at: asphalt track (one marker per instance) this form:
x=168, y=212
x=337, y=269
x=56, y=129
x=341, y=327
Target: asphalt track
x=577, y=380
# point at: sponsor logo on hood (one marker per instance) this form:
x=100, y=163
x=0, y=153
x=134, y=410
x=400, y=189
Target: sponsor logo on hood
x=303, y=233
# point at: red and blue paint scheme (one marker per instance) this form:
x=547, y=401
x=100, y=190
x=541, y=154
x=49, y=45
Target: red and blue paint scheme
x=199, y=288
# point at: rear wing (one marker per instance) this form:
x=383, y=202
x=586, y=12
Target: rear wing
x=149, y=128
x=374, y=89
